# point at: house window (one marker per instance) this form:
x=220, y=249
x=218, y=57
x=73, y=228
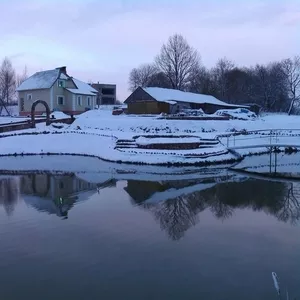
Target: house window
x=61, y=83
x=29, y=97
x=89, y=103
x=79, y=101
x=60, y=100
x=22, y=104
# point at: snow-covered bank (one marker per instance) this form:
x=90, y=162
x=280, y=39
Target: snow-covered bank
x=126, y=126
x=96, y=134
x=104, y=148
x=97, y=171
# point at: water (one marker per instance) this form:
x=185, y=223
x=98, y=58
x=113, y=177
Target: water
x=128, y=234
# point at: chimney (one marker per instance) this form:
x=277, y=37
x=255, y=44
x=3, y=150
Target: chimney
x=63, y=70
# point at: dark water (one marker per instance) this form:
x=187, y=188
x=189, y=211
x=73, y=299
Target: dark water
x=207, y=237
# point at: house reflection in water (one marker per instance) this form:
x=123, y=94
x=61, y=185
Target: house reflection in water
x=56, y=194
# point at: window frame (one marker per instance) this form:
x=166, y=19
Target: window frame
x=79, y=103
x=89, y=101
x=63, y=83
x=60, y=96
x=27, y=96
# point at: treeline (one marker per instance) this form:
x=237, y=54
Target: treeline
x=275, y=86
x=9, y=81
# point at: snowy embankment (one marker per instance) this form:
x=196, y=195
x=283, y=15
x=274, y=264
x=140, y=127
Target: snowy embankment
x=96, y=133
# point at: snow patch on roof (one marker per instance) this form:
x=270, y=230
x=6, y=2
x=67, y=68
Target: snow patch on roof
x=63, y=76
x=82, y=88
x=164, y=95
x=39, y=80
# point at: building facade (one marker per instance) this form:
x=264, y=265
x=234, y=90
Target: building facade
x=106, y=93
x=154, y=100
x=59, y=90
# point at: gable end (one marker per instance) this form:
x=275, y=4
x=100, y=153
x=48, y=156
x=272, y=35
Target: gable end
x=139, y=95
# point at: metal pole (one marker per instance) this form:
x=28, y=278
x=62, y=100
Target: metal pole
x=275, y=161
x=270, y=160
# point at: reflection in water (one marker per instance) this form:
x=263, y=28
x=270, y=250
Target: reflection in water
x=179, y=210
x=9, y=193
x=54, y=194
x=175, y=204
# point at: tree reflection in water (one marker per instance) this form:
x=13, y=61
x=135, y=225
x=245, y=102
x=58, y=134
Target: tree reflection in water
x=9, y=193
x=177, y=214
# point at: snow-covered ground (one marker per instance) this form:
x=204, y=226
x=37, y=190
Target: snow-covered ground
x=95, y=133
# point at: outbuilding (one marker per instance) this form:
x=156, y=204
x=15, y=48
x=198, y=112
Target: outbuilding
x=154, y=100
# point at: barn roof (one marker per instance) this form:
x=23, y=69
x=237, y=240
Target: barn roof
x=166, y=95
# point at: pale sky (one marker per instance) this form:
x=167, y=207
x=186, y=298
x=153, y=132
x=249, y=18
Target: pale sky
x=103, y=40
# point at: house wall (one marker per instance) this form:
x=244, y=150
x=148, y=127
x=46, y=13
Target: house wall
x=51, y=97
x=84, y=101
x=43, y=94
x=148, y=107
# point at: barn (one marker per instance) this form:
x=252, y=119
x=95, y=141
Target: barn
x=154, y=100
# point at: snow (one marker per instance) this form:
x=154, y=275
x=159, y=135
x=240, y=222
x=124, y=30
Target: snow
x=104, y=147
x=239, y=113
x=163, y=95
x=39, y=80
x=95, y=133
x=59, y=115
x=149, y=141
x=7, y=120
x=82, y=88
x=63, y=76
x=261, y=163
x=98, y=171
x=174, y=193
x=170, y=102
x=13, y=110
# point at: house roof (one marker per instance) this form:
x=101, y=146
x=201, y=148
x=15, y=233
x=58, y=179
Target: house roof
x=82, y=88
x=46, y=79
x=39, y=80
x=167, y=95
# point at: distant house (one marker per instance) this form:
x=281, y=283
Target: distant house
x=106, y=93
x=155, y=100
x=59, y=90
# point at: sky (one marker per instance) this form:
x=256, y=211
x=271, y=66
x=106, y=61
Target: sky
x=103, y=40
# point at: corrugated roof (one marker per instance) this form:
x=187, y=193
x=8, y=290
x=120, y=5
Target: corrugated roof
x=39, y=80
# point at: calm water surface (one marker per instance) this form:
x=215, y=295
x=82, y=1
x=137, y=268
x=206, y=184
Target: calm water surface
x=211, y=235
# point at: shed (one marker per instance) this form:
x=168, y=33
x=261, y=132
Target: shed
x=154, y=100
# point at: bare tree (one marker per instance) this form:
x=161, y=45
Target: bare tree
x=291, y=69
x=141, y=76
x=22, y=77
x=159, y=80
x=7, y=84
x=222, y=68
x=177, y=59
x=199, y=81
